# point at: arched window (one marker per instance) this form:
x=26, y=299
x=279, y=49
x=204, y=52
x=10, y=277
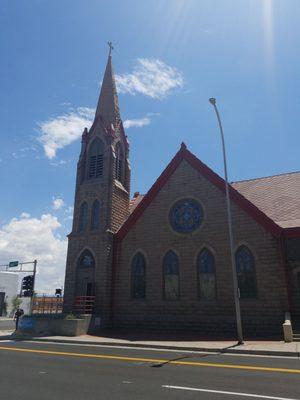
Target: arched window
x=83, y=213
x=206, y=275
x=245, y=267
x=119, y=162
x=86, y=260
x=95, y=217
x=171, y=276
x=138, y=277
x=95, y=159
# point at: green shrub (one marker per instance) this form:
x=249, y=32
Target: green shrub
x=15, y=303
x=71, y=316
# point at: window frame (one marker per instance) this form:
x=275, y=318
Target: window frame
x=164, y=266
x=83, y=223
x=95, y=157
x=97, y=227
x=199, y=273
x=133, y=275
x=242, y=295
x=119, y=162
x=80, y=258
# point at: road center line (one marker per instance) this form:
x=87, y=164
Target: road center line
x=152, y=360
x=228, y=393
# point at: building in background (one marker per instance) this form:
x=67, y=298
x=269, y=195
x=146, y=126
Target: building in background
x=162, y=260
x=8, y=290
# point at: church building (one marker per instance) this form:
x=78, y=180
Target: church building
x=162, y=260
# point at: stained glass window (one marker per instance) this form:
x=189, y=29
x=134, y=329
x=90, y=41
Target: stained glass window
x=86, y=260
x=245, y=267
x=95, y=159
x=83, y=213
x=206, y=275
x=171, y=276
x=186, y=216
x=138, y=276
x=95, y=222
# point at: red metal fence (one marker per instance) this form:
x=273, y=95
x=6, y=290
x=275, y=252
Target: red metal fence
x=84, y=304
x=47, y=305
x=54, y=305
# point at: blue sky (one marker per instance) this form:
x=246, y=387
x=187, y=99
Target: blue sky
x=53, y=55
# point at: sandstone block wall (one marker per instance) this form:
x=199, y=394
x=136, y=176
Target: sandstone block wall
x=153, y=236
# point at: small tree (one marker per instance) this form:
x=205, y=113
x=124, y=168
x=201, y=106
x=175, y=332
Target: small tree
x=15, y=303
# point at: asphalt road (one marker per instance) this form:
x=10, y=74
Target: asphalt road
x=82, y=372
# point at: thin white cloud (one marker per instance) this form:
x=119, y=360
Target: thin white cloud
x=136, y=123
x=58, y=132
x=150, y=77
x=26, y=239
x=57, y=203
x=59, y=163
x=25, y=215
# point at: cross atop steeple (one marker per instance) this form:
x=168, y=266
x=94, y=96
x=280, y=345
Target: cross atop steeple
x=110, y=48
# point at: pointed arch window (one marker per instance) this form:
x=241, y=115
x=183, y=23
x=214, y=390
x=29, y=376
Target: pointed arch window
x=171, y=276
x=206, y=275
x=95, y=216
x=83, y=213
x=86, y=260
x=245, y=267
x=119, y=162
x=95, y=159
x=138, y=277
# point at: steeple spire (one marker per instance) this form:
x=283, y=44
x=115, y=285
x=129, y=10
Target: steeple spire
x=108, y=105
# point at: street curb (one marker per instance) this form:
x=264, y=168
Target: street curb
x=7, y=337
x=168, y=347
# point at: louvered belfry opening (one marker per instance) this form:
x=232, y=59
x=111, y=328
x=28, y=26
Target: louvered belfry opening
x=119, y=163
x=95, y=159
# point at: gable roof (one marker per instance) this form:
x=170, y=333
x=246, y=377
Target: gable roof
x=277, y=196
x=135, y=201
x=183, y=154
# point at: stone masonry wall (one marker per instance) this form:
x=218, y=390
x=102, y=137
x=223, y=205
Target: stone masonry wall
x=114, y=205
x=153, y=236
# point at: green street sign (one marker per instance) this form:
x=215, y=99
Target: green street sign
x=13, y=264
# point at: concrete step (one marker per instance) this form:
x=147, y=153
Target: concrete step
x=296, y=336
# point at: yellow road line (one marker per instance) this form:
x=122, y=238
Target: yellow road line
x=153, y=360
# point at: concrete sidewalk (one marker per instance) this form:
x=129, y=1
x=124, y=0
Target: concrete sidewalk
x=268, y=348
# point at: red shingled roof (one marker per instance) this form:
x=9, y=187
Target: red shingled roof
x=277, y=196
x=135, y=201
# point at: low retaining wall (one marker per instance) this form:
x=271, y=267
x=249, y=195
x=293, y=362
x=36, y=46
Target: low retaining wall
x=57, y=325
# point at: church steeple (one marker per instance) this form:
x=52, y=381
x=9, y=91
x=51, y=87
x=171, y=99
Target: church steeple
x=101, y=202
x=108, y=104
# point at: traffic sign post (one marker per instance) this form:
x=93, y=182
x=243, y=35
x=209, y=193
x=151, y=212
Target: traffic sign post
x=13, y=264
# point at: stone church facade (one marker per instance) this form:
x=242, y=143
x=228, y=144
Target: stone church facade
x=162, y=260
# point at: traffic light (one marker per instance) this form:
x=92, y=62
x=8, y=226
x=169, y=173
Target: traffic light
x=27, y=285
x=58, y=292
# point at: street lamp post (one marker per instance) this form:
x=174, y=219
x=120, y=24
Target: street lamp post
x=229, y=216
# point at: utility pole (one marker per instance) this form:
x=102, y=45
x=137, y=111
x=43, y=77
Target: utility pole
x=229, y=216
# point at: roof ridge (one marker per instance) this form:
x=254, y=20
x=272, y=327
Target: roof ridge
x=265, y=177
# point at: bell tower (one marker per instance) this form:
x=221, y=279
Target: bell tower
x=101, y=205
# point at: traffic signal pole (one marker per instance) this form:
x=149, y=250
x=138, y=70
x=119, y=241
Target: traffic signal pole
x=32, y=295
